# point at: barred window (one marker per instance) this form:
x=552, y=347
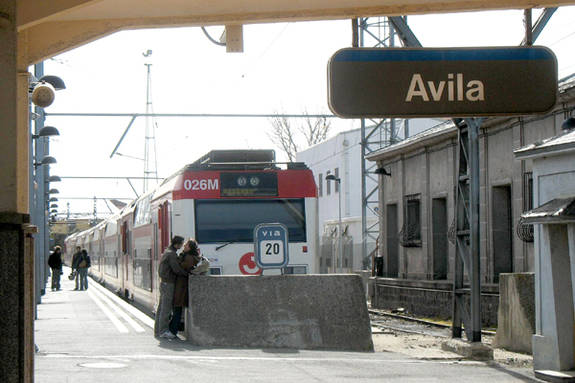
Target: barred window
x=527, y=191
x=525, y=231
x=410, y=234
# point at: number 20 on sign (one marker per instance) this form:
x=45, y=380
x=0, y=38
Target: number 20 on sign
x=271, y=245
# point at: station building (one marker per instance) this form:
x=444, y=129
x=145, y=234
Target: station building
x=417, y=205
x=341, y=157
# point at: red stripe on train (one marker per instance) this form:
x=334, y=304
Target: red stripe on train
x=206, y=185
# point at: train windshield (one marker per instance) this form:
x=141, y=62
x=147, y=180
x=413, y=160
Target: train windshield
x=235, y=220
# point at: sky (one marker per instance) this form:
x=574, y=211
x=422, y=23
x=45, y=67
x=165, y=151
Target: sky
x=282, y=70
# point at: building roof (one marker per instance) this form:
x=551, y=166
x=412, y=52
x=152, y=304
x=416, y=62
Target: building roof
x=559, y=210
x=427, y=137
x=563, y=143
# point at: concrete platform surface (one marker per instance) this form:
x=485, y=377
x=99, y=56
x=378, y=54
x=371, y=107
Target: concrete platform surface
x=91, y=336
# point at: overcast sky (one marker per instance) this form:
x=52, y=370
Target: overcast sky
x=282, y=70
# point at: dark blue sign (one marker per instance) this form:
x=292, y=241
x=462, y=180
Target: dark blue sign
x=442, y=82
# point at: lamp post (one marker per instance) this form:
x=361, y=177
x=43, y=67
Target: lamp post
x=41, y=94
x=331, y=177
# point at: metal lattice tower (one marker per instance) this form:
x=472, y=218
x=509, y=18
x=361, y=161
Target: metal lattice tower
x=150, y=156
x=375, y=133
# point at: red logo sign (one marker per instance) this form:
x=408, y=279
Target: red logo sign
x=248, y=265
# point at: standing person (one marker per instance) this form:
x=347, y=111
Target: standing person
x=168, y=269
x=76, y=258
x=188, y=260
x=83, y=267
x=55, y=263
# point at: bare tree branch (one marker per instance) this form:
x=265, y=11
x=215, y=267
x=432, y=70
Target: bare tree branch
x=314, y=131
x=282, y=135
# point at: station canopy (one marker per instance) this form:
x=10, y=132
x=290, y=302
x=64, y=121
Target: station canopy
x=51, y=27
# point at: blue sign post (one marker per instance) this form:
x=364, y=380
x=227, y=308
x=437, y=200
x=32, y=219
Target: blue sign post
x=271, y=245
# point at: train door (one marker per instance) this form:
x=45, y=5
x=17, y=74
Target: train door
x=161, y=240
x=164, y=226
x=126, y=250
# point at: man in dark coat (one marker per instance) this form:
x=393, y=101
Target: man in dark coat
x=168, y=270
x=76, y=258
x=55, y=263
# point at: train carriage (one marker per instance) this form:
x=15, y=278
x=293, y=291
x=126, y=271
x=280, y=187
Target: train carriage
x=218, y=200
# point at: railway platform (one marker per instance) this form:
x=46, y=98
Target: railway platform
x=94, y=336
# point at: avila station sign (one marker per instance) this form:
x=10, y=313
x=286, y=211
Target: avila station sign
x=441, y=82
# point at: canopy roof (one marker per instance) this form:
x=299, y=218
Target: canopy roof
x=51, y=27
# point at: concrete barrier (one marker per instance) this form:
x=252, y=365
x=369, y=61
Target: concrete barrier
x=516, y=315
x=281, y=311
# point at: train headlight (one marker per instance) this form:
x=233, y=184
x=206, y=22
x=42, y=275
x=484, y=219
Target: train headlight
x=254, y=181
x=242, y=181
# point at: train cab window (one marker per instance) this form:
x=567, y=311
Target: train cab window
x=215, y=271
x=234, y=220
x=295, y=270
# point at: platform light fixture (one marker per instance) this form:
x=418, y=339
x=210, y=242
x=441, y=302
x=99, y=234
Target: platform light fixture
x=47, y=131
x=47, y=160
x=568, y=124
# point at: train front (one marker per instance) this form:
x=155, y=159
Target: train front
x=220, y=203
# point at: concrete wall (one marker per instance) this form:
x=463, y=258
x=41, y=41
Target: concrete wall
x=427, y=173
x=516, y=314
x=288, y=311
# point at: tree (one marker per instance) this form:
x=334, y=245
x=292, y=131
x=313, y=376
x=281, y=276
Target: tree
x=313, y=129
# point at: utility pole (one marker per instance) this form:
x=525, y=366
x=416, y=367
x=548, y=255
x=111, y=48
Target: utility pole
x=150, y=165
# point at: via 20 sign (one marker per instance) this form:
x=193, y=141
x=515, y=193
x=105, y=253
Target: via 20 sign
x=441, y=82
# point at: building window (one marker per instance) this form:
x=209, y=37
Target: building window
x=527, y=191
x=328, y=184
x=410, y=234
x=320, y=185
x=525, y=231
x=337, y=183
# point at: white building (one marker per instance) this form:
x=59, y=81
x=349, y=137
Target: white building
x=341, y=156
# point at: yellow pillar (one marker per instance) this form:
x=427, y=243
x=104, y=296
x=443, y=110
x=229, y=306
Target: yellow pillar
x=16, y=242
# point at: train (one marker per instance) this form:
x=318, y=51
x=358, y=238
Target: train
x=218, y=199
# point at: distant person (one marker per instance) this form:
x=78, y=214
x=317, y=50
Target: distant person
x=83, y=267
x=76, y=258
x=55, y=263
x=188, y=260
x=168, y=270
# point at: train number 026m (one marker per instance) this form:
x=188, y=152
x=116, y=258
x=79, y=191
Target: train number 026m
x=201, y=184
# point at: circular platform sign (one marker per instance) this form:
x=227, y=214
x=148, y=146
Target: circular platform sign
x=271, y=245
x=248, y=266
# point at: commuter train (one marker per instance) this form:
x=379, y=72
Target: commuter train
x=218, y=200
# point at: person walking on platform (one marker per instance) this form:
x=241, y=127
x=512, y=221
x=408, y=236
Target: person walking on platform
x=55, y=263
x=168, y=270
x=76, y=258
x=83, y=267
x=188, y=260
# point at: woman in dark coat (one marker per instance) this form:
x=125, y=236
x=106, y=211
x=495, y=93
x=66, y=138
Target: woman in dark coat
x=188, y=260
x=55, y=263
